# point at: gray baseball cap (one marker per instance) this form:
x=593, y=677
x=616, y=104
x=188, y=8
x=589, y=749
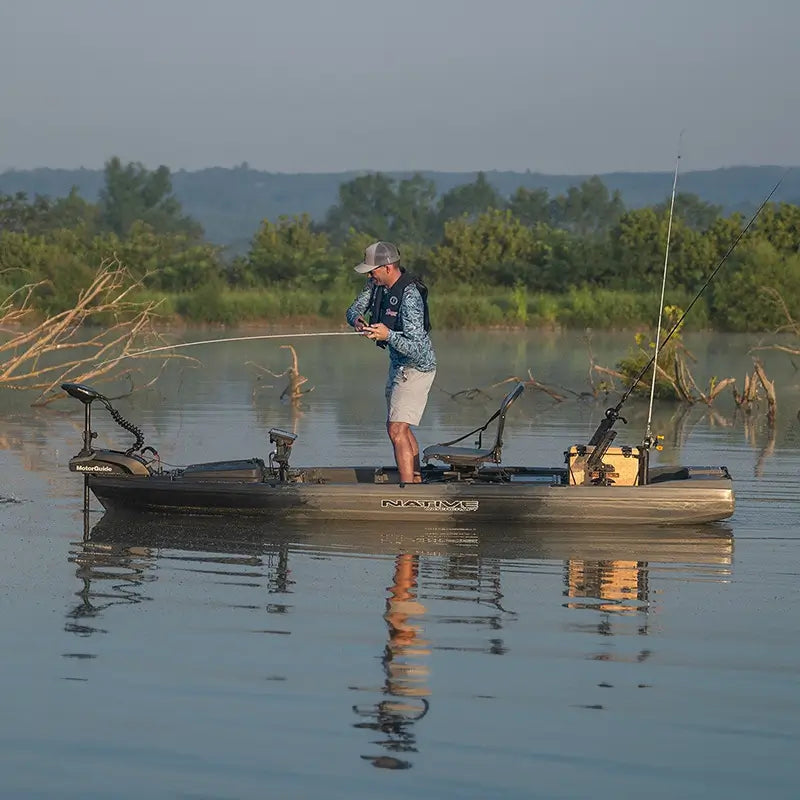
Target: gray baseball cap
x=378, y=255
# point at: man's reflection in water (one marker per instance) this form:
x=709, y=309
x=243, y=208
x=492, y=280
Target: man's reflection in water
x=405, y=670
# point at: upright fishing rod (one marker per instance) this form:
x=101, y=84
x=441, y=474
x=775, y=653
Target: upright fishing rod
x=612, y=414
x=648, y=432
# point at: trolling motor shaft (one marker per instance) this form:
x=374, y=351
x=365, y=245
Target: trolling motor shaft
x=87, y=396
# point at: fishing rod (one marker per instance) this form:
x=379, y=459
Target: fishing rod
x=150, y=350
x=648, y=432
x=612, y=414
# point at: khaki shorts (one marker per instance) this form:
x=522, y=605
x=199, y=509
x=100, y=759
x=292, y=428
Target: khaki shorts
x=407, y=394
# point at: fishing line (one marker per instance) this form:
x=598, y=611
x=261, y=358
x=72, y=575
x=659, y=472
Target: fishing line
x=231, y=339
x=647, y=435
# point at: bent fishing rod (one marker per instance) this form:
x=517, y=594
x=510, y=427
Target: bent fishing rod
x=150, y=350
x=613, y=414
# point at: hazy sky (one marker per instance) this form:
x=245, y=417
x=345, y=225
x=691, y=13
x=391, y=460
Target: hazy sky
x=572, y=86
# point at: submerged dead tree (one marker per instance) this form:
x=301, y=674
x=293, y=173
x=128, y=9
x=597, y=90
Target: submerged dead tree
x=754, y=385
x=675, y=381
x=91, y=341
x=293, y=391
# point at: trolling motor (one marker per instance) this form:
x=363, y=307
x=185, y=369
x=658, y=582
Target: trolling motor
x=106, y=462
x=283, y=441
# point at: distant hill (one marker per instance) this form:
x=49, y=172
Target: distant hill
x=231, y=202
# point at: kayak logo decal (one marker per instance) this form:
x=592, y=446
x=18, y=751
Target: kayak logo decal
x=433, y=505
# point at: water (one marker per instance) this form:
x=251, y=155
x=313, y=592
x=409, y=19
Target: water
x=208, y=659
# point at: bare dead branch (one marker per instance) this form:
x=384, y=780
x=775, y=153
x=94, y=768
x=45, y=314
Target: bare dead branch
x=104, y=327
x=293, y=391
x=532, y=383
x=769, y=390
x=296, y=380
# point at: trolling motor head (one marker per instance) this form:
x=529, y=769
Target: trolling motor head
x=87, y=396
x=105, y=462
x=82, y=392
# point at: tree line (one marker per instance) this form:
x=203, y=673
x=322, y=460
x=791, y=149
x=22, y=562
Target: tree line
x=469, y=238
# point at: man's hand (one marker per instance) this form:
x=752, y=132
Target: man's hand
x=378, y=332
x=360, y=324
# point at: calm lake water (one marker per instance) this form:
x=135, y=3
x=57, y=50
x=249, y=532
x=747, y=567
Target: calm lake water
x=194, y=658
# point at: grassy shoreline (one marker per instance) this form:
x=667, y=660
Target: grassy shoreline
x=601, y=309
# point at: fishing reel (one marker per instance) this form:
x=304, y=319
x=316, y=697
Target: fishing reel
x=652, y=441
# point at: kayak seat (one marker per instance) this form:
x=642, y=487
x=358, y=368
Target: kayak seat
x=466, y=459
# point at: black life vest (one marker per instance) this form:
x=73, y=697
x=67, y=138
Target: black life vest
x=384, y=304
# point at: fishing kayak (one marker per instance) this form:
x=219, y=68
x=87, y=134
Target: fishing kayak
x=597, y=484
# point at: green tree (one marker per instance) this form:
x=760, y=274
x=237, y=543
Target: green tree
x=365, y=205
x=414, y=219
x=42, y=214
x=72, y=211
x=289, y=252
x=747, y=299
x=496, y=248
x=638, y=247
x=384, y=208
x=16, y=213
x=530, y=206
x=779, y=224
x=588, y=208
x=173, y=262
x=691, y=210
x=60, y=260
x=469, y=200
x=133, y=193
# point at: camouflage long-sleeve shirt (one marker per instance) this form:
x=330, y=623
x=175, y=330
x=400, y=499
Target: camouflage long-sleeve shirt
x=411, y=346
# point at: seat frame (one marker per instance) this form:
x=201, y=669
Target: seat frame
x=469, y=459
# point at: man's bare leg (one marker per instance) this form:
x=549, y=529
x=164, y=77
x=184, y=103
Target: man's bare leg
x=415, y=450
x=406, y=449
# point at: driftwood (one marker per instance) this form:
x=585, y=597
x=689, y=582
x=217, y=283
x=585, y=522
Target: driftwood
x=750, y=396
x=86, y=342
x=530, y=383
x=293, y=391
x=466, y=394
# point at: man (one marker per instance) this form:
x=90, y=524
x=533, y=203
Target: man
x=397, y=306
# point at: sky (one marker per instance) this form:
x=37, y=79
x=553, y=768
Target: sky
x=564, y=86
